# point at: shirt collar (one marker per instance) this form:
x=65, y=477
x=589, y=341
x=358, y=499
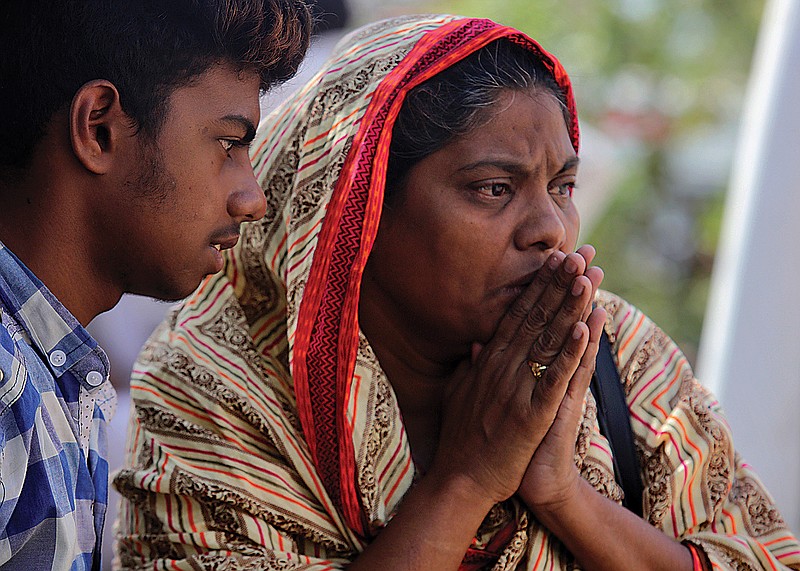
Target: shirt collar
x=53, y=330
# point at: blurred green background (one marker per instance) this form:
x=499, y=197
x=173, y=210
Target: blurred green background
x=660, y=87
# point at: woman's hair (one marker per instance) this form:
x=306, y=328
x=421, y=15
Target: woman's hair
x=458, y=100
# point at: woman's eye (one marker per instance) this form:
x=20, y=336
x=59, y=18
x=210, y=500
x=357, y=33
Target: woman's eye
x=227, y=144
x=563, y=191
x=493, y=189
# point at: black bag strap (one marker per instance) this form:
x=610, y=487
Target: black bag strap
x=615, y=425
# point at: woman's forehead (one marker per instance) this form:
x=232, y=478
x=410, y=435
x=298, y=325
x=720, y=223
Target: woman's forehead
x=523, y=132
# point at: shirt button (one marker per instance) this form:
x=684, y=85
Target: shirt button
x=1, y=374
x=58, y=358
x=94, y=378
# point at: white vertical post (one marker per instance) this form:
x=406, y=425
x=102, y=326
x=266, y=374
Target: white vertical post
x=750, y=348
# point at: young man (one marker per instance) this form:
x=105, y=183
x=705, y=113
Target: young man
x=123, y=168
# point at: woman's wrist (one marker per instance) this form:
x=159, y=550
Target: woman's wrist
x=459, y=488
x=569, y=497
x=433, y=527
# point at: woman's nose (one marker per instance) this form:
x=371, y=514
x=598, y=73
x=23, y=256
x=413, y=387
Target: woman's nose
x=541, y=226
x=247, y=202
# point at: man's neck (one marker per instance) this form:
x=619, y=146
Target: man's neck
x=52, y=243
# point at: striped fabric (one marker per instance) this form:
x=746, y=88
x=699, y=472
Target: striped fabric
x=265, y=434
x=55, y=398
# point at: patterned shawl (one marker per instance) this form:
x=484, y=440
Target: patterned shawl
x=265, y=434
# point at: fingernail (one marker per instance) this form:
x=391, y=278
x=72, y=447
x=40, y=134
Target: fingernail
x=577, y=333
x=553, y=262
x=571, y=266
x=577, y=288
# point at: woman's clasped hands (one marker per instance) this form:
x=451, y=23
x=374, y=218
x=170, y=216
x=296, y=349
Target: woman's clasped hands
x=508, y=425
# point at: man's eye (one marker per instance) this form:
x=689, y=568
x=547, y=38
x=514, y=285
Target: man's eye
x=227, y=144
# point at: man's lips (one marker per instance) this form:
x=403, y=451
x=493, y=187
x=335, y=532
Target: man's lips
x=224, y=243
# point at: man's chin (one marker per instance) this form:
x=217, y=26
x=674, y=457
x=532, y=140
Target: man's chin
x=172, y=292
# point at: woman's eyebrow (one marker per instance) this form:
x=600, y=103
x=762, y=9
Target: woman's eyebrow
x=509, y=166
x=571, y=163
x=515, y=167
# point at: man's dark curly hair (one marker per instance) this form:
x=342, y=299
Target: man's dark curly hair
x=146, y=48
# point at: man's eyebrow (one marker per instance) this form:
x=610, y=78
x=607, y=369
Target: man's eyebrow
x=244, y=123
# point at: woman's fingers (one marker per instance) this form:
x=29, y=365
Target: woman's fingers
x=588, y=252
x=561, y=438
x=497, y=414
x=521, y=308
x=547, y=297
x=486, y=430
x=551, y=388
x=571, y=408
x=549, y=341
x=595, y=275
x=540, y=321
x=566, y=381
x=550, y=475
x=537, y=322
x=583, y=375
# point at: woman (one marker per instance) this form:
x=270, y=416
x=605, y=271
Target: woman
x=392, y=370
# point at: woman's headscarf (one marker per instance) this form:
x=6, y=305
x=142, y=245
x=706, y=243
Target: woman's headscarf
x=262, y=411
x=322, y=162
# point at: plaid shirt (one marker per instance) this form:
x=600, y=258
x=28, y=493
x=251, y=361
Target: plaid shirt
x=55, y=399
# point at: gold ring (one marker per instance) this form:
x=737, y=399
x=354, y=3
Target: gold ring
x=537, y=369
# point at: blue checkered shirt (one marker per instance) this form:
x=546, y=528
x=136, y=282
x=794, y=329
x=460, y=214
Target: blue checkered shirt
x=55, y=400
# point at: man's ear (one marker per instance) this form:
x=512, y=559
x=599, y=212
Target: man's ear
x=98, y=125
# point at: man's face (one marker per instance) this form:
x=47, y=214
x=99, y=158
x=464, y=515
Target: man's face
x=186, y=192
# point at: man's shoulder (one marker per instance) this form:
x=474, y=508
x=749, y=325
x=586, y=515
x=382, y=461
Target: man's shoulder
x=36, y=445
x=13, y=364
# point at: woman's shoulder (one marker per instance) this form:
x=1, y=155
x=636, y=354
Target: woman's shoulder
x=619, y=310
x=625, y=323
x=643, y=352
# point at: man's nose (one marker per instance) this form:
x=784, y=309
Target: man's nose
x=247, y=202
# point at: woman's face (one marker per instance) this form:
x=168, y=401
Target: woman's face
x=472, y=225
